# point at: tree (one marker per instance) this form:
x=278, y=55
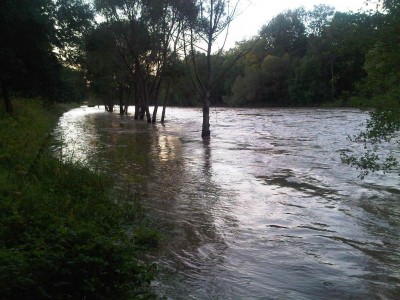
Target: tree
x=275, y=71
x=31, y=31
x=344, y=44
x=268, y=66
x=246, y=87
x=212, y=20
x=26, y=57
x=381, y=91
x=145, y=33
x=309, y=83
x=73, y=22
x=286, y=33
x=105, y=69
x=319, y=18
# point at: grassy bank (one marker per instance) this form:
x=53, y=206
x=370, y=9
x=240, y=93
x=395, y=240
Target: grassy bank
x=62, y=235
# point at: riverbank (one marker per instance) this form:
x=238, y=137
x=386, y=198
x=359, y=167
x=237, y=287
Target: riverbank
x=62, y=232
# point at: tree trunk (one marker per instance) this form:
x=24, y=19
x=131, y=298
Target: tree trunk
x=148, y=115
x=332, y=80
x=154, y=118
x=129, y=91
x=142, y=112
x=109, y=108
x=137, y=106
x=121, y=104
x=7, y=101
x=109, y=103
x=165, y=103
x=205, y=133
x=163, y=111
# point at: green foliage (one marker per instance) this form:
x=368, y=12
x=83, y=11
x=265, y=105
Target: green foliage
x=61, y=234
x=146, y=237
x=307, y=86
x=74, y=85
x=244, y=88
x=381, y=129
x=286, y=33
x=26, y=58
x=73, y=21
x=275, y=71
x=319, y=18
x=380, y=91
x=38, y=37
x=305, y=58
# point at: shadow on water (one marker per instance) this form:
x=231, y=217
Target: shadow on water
x=286, y=178
x=207, y=158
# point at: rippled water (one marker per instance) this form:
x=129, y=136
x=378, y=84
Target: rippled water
x=264, y=210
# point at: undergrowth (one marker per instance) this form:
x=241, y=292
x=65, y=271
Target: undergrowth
x=62, y=234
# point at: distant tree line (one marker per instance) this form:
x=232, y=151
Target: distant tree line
x=303, y=58
x=150, y=53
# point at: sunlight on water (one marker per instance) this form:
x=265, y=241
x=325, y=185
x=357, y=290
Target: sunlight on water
x=264, y=210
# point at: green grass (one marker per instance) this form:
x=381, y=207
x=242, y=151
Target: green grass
x=62, y=235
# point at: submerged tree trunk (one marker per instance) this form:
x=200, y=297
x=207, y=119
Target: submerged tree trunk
x=148, y=115
x=121, y=102
x=165, y=103
x=109, y=103
x=129, y=90
x=154, y=118
x=6, y=96
x=142, y=112
x=137, y=105
x=205, y=132
x=332, y=80
x=109, y=107
x=163, y=111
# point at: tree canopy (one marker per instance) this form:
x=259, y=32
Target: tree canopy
x=39, y=39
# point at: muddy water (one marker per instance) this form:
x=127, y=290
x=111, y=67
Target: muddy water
x=264, y=210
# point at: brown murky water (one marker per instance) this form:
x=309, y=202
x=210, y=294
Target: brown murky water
x=264, y=210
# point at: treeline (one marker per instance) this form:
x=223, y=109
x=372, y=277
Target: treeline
x=299, y=58
x=310, y=58
x=304, y=58
x=150, y=53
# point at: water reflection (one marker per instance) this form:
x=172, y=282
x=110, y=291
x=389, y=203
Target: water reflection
x=165, y=146
x=263, y=209
x=207, y=158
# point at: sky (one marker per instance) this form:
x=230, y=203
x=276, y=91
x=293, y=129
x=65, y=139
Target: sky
x=256, y=13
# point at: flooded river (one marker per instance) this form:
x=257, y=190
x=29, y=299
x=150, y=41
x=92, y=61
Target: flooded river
x=264, y=210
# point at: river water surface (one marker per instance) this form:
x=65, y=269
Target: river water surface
x=263, y=210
